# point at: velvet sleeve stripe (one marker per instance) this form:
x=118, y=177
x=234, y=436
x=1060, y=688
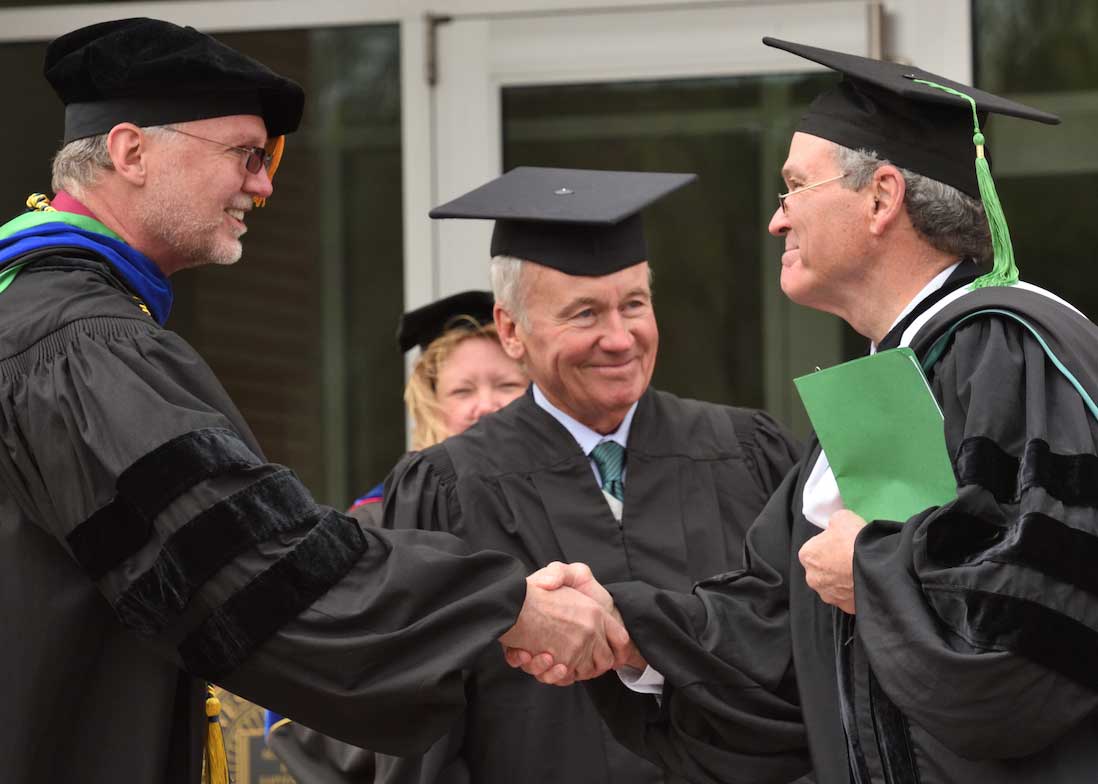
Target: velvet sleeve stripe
x=118, y=530
x=273, y=504
x=980, y=461
x=108, y=537
x=177, y=465
x=1035, y=540
x=998, y=622
x=228, y=636
x=1072, y=479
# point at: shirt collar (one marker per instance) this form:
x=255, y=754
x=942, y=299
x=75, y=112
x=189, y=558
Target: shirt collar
x=935, y=283
x=63, y=202
x=587, y=438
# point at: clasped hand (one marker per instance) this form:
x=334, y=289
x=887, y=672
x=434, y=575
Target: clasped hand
x=568, y=629
x=828, y=560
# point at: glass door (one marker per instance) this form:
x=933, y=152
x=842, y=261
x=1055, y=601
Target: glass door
x=690, y=88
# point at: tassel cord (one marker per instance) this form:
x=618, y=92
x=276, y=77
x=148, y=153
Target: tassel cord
x=217, y=764
x=1004, y=271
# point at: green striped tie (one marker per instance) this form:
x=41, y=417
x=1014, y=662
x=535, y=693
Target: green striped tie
x=609, y=456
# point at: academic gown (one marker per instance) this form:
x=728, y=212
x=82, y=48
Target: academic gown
x=517, y=482
x=972, y=654
x=146, y=546
x=313, y=757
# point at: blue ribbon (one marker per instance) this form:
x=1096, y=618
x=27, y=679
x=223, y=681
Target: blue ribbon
x=137, y=270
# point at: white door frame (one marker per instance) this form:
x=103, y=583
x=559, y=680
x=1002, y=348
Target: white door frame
x=478, y=56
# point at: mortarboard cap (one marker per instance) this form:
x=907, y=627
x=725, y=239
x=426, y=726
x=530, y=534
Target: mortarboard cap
x=422, y=326
x=879, y=106
x=579, y=221
x=150, y=72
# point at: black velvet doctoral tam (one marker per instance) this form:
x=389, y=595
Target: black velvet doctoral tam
x=151, y=72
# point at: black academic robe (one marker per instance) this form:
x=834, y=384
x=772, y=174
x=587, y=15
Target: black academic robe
x=146, y=546
x=972, y=654
x=312, y=757
x=696, y=475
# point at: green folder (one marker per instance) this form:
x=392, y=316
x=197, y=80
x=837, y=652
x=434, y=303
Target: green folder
x=883, y=433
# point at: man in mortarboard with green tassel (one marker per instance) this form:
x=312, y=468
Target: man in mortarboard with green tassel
x=958, y=645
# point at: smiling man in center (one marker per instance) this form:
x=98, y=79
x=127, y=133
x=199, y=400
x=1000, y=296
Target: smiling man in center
x=591, y=465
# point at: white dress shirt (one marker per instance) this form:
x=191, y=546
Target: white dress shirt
x=588, y=439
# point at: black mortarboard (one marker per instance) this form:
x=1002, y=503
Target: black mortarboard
x=420, y=327
x=880, y=106
x=579, y=221
x=150, y=72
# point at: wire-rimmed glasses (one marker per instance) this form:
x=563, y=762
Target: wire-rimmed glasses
x=255, y=158
x=783, y=196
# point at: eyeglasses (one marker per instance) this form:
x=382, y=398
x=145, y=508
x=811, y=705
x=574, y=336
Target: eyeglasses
x=255, y=158
x=783, y=196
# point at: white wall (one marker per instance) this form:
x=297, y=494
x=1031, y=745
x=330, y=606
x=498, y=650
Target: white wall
x=936, y=35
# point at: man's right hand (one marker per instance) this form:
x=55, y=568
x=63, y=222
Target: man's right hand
x=545, y=666
x=572, y=629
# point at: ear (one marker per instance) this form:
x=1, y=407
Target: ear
x=508, y=330
x=887, y=190
x=128, y=147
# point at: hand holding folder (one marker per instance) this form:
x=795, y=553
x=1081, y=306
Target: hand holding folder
x=883, y=434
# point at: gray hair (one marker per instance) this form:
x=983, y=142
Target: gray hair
x=951, y=221
x=79, y=164
x=506, y=276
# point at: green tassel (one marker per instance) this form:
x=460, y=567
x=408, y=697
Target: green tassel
x=1004, y=272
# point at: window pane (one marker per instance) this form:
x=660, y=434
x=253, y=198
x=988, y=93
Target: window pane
x=1042, y=52
x=37, y=136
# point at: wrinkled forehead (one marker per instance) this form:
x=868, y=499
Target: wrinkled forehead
x=809, y=156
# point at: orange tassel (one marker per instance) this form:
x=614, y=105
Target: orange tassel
x=274, y=148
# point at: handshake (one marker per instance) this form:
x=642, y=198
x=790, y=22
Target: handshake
x=568, y=629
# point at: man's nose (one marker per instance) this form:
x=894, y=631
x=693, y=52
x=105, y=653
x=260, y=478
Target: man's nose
x=259, y=184
x=616, y=336
x=779, y=222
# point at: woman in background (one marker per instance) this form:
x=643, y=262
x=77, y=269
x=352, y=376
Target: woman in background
x=461, y=374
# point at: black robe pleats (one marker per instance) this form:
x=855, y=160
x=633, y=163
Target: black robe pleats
x=517, y=482
x=147, y=546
